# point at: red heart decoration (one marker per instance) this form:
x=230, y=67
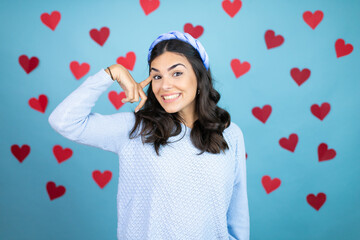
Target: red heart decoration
x=39, y=105
x=149, y=6
x=231, y=8
x=290, y=143
x=273, y=41
x=262, y=114
x=195, y=32
x=20, y=153
x=320, y=112
x=270, y=185
x=61, y=154
x=128, y=61
x=100, y=36
x=300, y=76
x=324, y=153
x=28, y=65
x=238, y=68
x=316, y=201
x=313, y=19
x=53, y=191
x=116, y=98
x=52, y=20
x=79, y=70
x=342, y=49
x=102, y=178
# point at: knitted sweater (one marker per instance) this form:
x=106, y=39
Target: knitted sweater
x=177, y=195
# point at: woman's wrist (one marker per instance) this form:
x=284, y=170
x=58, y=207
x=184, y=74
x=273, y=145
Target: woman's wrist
x=107, y=70
x=114, y=71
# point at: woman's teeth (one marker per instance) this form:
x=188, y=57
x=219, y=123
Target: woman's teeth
x=171, y=96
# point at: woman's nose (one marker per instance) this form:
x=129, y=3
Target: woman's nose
x=167, y=83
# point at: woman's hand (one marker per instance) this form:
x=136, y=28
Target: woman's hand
x=133, y=90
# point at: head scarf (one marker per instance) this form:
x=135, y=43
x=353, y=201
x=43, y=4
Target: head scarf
x=186, y=38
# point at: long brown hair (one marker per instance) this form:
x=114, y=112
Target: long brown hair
x=158, y=125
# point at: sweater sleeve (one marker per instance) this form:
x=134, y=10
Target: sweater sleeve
x=238, y=212
x=73, y=118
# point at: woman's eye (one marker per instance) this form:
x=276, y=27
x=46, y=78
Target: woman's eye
x=179, y=73
x=176, y=74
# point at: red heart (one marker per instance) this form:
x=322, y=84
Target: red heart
x=128, y=61
x=195, y=32
x=61, y=154
x=53, y=191
x=79, y=70
x=102, y=178
x=290, y=143
x=316, y=202
x=273, y=41
x=28, y=65
x=100, y=36
x=270, y=185
x=149, y=6
x=313, y=19
x=52, y=20
x=262, y=114
x=342, y=49
x=20, y=153
x=324, y=153
x=320, y=112
x=39, y=105
x=300, y=76
x=238, y=68
x=116, y=98
x=231, y=8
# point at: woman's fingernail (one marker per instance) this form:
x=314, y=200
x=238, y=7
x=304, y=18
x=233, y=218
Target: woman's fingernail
x=136, y=110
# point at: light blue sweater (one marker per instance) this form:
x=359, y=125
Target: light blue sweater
x=179, y=195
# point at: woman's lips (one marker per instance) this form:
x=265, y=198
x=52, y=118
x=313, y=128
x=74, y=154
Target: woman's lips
x=171, y=100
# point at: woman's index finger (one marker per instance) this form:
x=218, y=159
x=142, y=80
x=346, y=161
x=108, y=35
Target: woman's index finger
x=145, y=82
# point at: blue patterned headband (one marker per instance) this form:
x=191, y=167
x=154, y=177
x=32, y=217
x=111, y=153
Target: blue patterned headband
x=186, y=38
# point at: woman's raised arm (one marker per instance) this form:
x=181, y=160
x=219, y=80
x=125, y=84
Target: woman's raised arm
x=73, y=118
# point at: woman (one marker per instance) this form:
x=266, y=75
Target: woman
x=183, y=174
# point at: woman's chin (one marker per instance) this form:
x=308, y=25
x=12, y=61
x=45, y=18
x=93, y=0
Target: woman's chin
x=170, y=110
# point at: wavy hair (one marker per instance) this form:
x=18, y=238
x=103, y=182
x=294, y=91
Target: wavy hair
x=158, y=125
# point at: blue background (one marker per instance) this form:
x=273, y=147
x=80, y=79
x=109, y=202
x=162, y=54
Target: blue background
x=88, y=212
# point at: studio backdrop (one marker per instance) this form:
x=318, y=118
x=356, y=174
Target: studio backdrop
x=288, y=74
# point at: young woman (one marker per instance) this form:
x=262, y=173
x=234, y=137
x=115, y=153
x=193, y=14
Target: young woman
x=182, y=166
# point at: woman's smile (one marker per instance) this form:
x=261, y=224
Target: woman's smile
x=171, y=98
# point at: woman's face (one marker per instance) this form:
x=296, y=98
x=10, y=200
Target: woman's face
x=174, y=77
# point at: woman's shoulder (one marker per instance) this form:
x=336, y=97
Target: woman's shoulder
x=127, y=115
x=232, y=135
x=125, y=119
x=233, y=130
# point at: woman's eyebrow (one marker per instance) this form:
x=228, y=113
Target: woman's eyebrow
x=173, y=66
